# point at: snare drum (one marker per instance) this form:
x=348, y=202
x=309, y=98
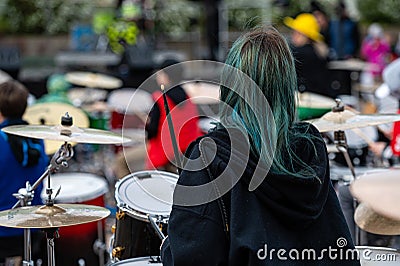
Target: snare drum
x=139, y=195
x=377, y=256
x=76, y=242
x=143, y=261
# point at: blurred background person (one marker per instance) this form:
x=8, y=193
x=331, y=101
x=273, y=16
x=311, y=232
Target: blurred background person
x=375, y=49
x=311, y=54
x=184, y=115
x=344, y=34
x=322, y=18
x=22, y=159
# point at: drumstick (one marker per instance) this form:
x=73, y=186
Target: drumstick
x=171, y=129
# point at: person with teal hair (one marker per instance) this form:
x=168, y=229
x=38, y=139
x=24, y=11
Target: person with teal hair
x=256, y=190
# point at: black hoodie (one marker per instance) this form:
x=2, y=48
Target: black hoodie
x=286, y=220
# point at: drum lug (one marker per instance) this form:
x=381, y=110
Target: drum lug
x=120, y=215
x=117, y=252
x=113, y=228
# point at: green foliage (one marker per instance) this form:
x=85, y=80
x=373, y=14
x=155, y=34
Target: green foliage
x=43, y=16
x=175, y=17
x=383, y=11
x=121, y=30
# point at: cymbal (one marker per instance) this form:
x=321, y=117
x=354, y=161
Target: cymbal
x=82, y=96
x=372, y=222
x=312, y=105
x=380, y=191
x=50, y=114
x=67, y=134
x=334, y=121
x=58, y=215
x=93, y=80
x=352, y=64
x=202, y=92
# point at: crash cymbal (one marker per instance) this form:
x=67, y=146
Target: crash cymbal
x=49, y=114
x=93, y=80
x=380, y=191
x=311, y=105
x=67, y=134
x=202, y=92
x=372, y=222
x=342, y=120
x=55, y=216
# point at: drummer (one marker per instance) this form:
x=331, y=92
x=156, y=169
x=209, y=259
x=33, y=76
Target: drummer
x=22, y=159
x=183, y=112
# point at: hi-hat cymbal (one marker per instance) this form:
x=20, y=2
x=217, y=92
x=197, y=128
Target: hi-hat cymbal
x=342, y=120
x=55, y=216
x=372, y=222
x=67, y=134
x=93, y=80
x=202, y=92
x=49, y=114
x=380, y=191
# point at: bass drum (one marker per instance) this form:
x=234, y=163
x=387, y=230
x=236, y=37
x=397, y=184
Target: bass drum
x=139, y=195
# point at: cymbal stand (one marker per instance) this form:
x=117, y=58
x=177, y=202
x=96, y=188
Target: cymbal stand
x=341, y=144
x=25, y=195
x=153, y=221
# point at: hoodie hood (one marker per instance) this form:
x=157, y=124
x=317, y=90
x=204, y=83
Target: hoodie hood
x=299, y=201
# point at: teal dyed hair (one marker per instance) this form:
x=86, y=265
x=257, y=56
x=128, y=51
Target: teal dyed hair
x=264, y=56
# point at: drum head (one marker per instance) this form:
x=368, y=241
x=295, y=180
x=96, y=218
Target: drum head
x=147, y=192
x=76, y=187
x=142, y=261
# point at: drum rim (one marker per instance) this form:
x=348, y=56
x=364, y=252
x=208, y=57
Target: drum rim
x=128, y=209
x=100, y=190
x=378, y=248
x=138, y=259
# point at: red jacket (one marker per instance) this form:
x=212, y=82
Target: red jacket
x=185, y=120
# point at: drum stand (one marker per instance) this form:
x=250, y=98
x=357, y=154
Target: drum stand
x=25, y=197
x=153, y=221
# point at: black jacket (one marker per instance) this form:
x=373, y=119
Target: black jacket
x=300, y=216
x=312, y=72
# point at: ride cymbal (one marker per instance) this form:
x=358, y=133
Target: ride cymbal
x=67, y=134
x=55, y=216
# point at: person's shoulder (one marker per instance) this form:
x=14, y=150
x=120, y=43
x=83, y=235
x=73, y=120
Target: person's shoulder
x=306, y=128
